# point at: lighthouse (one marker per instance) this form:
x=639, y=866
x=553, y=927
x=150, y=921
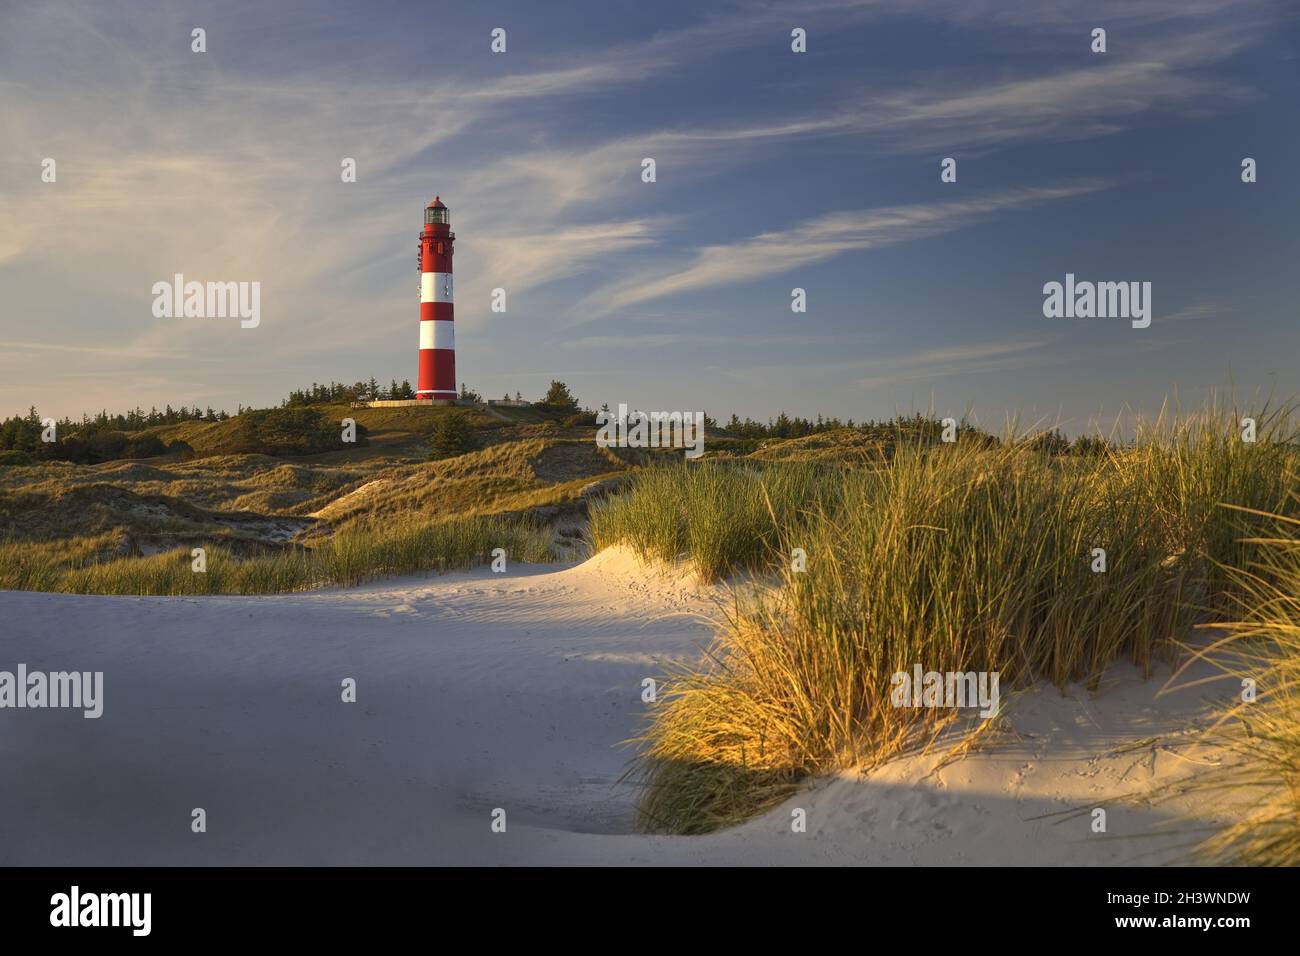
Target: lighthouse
x=437, y=378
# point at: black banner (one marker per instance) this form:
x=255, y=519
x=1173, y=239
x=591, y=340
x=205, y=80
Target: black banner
x=336, y=905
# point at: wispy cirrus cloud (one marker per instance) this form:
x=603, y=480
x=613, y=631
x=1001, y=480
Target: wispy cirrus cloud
x=112, y=351
x=818, y=239
x=957, y=360
x=1209, y=309
x=625, y=342
x=1061, y=106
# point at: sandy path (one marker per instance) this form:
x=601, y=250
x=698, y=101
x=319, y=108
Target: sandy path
x=478, y=691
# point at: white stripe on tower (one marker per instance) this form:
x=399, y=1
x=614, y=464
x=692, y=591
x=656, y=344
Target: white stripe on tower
x=435, y=287
x=438, y=334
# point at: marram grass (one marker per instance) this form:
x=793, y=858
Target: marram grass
x=964, y=557
x=723, y=516
x=1260, y=734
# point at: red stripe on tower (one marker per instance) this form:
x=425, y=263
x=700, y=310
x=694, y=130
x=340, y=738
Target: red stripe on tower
x=437, y=378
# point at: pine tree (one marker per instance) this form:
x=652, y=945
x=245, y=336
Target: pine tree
x=558, y=398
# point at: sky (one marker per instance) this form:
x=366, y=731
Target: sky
x=774, y=170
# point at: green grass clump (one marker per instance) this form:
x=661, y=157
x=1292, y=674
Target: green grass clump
x=963, y=557
x=721, y=515
x=356, y=553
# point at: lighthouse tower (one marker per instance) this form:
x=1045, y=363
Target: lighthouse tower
x=437, y=378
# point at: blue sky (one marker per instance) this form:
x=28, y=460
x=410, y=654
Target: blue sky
x=774, y=170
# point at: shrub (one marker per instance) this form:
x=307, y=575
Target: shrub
x=144, y=446
x=288, y=431
x=88, y=447
x=451, y=436
x=1050, y=442
x=581, y=420
x=1090, y=445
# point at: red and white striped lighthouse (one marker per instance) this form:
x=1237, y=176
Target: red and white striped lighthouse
x=437, y=378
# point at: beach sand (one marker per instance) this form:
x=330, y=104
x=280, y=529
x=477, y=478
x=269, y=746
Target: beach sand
x=478, y=691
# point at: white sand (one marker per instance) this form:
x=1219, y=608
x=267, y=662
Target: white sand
x=479, y=691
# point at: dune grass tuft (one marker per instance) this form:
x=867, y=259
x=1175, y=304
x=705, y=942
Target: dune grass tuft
x=1259, y=734
x=963, y=557
x=723, y=516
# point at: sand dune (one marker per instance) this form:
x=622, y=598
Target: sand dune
x=480, y=690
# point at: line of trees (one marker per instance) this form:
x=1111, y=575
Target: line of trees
x=336, y=392
x=783, y=426
x=90, y=441
x=917, y=425
x=23, y=432
x=371, y=391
